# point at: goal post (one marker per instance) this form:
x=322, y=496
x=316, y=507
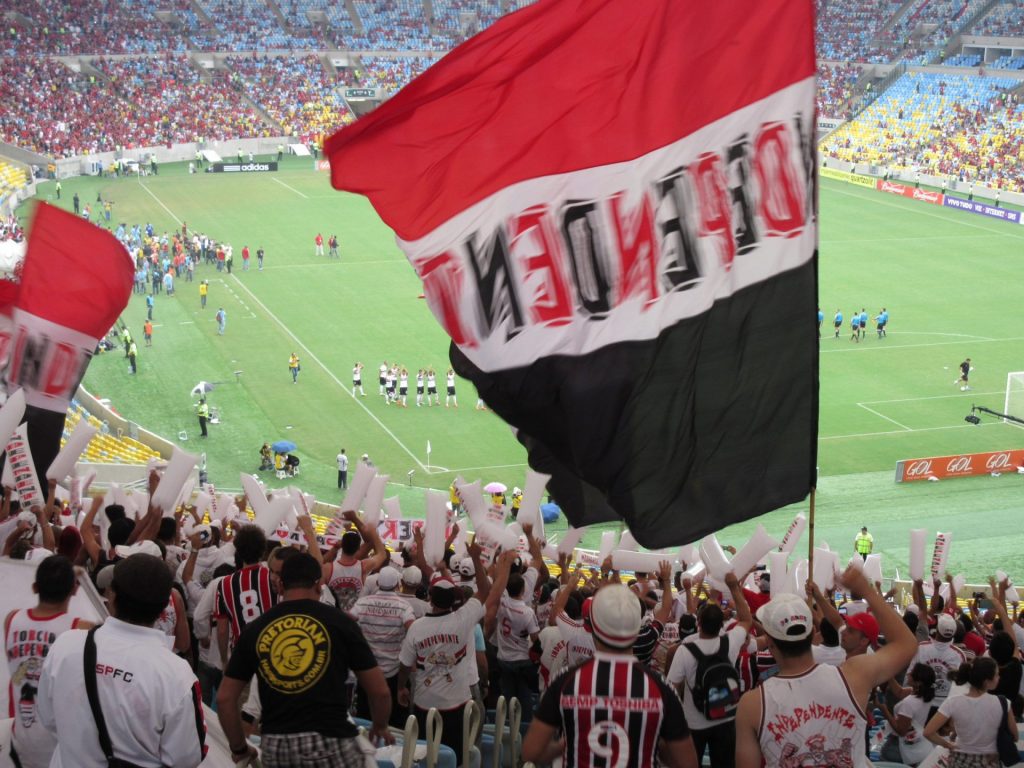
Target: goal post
x=1014, y=403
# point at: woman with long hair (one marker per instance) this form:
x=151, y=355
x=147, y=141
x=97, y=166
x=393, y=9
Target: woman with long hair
x=910, y=714
x=975, y=716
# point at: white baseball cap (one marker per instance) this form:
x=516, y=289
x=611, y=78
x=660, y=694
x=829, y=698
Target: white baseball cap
x=945, y=626
x=146, y=547
x=786, y=617
x=388, y=578
x=412, y=576
x=466, y=568
x=615, y=616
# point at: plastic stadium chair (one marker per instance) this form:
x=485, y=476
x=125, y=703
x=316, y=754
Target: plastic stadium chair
x=471, y=757
x=512, y=737
x=491, y=741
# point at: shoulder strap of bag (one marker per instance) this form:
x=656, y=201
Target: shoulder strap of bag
x=94, y=699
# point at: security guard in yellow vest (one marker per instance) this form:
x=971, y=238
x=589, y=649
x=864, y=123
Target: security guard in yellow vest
x=864, y=543
x=204, y=414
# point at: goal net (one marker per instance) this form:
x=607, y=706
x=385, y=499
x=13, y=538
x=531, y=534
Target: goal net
x=1014, y=405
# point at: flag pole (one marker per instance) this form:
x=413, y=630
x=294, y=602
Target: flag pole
x=810, y=538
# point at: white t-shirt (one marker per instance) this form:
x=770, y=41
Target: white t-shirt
x=552, y=655
x=516, y=622
x=943, y=658
x=383, y=618
x=436, y=648
x=579, y=644
x=684, y=670
x=976, y=719
x=342, y=462
x=914, y=747
x=829, y=654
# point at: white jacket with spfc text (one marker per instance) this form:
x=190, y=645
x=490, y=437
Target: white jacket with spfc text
x=149, y=697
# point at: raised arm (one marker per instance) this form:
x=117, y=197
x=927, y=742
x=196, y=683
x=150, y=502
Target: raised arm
x=483, y=584
x=536, y=555
x=305, y=522
x=90, y=543
x=828, y=609
x=743, y=616
x=497, y=590
x=664, y=610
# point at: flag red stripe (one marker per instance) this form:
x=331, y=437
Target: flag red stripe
x=564, y=85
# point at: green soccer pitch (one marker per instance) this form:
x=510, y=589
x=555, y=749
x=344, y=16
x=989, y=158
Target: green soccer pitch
x=951, y=282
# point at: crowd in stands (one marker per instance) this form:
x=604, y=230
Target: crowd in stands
x=339, y=24
x=1008, y=62
x=835, y=88
x=680, y=662
x=395, y=25
x=391, y=73
x=448, y=18
x=295, y=92
x=939, y=19
x=248, y=25
x=10, y=229
x=969, y=128
x=1005, y=20
x=847, y=29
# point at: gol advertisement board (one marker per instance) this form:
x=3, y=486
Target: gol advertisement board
x=962, y=465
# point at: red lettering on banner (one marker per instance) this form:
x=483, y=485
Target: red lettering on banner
x=781, y=202
x=961, y=465
x=62, y=371
x=535, y=244
x=893, y=189
x=638, y=252
x=715, y=209
x=442, y=285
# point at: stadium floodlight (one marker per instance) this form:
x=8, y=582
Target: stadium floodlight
x=1014, y=403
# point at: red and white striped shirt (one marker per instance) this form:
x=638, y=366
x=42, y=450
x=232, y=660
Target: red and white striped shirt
x=243, y=597
x=613, y=711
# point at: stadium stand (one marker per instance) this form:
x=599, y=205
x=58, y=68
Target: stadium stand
x=846, y=29
x=105, y=448
x=339, y=25
x=966, y=127
x=248, y=25
x=1008, y=62
x=395, y=25
x=929, y=23
x=835, y=89
x=1005, y=19
x=459, y=19
x=963, y=60
x=296, y=92
x=11, y=178
x=391, y=73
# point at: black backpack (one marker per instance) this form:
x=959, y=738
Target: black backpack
x=716, y=690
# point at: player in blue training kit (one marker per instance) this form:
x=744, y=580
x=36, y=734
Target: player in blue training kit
x=881, y=320
x=838, y=322
x=821, y=319
x=855, y=327
x=863, y=321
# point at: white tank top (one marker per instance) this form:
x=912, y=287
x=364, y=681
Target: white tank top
x=346, y=583
x=27, y=641
x=811, y=720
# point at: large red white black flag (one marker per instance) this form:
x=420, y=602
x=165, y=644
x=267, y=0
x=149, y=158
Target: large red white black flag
x=612, y=206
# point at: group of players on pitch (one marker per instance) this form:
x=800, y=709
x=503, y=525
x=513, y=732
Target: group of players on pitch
x=858, y=323
x=393, y=382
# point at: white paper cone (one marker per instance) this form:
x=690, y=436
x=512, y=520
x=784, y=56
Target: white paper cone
x=274, y=514
x=1011, y=594
x=757, y=546
x=792, y=537
x=393, y=510
x=254, y=494
x=572, y=538
x=178, y=470
x=141, y=503
x=23, y=471
x=630, y=560
x=7, y=477
x=714, y=558
x=777, y=566
x=203, y=501
x=857, y=562
x=824, y=569
x=940, y=554
x=689, y=555
x=434, y=527
x=186, y=493
x=798, y=578
x=626, y=541
x=226, y=510
x=607, y=545
x=11, y=414
x=375, y=498
x=533, y=492
x=64, y=463
x=695, y=572
x=472, y=500
x=918, y=539
x=358, y=487
x=873, y=568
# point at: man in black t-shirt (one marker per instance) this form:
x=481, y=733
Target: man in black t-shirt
x=301, y=652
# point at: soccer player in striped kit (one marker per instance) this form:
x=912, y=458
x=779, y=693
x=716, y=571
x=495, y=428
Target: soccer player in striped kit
x=612, y=710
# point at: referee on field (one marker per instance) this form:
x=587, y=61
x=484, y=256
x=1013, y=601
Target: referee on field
x=611, y=709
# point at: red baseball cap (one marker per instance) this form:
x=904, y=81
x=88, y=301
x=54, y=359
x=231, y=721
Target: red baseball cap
x=866, y=624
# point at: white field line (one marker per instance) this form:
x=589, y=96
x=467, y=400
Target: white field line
x=904, y=432
x=338, y=263
x=293, y=189
x=307, y=350
x=920, y=212
x=883, y=416
x=931, y=397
